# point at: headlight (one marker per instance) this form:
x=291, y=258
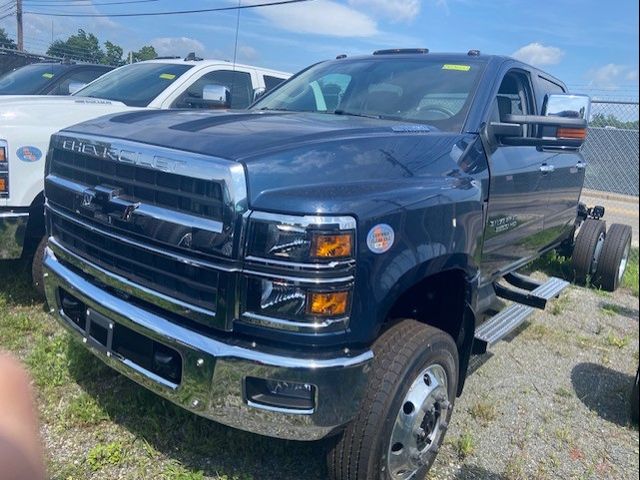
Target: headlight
x=307, y=239
x=4, y=169
x=304, y=275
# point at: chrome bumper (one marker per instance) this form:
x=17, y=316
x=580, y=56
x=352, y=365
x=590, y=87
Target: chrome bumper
x=12, y=229
x=213, y=372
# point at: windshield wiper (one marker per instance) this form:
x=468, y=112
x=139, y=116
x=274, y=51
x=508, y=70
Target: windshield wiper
x=267, y=109
x=352, y=114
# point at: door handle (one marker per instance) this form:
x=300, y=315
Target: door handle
x=547, y=168
x=581, y=165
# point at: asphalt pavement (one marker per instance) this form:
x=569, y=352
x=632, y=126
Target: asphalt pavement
x=618, y=208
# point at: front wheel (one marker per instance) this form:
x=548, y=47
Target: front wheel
x=406, y=410
x=37, y=269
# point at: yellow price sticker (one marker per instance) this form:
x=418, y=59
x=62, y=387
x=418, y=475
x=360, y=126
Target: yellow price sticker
x=460, y=68
x=167, y=76
x=47, y=75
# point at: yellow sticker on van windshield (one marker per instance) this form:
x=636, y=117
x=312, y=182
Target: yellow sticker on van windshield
x=167, y=76
x=462, y=68
x=47, y=75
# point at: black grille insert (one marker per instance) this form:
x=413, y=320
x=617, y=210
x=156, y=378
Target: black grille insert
x=189, y=283
x=139, y=184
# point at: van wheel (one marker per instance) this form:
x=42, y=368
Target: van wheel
x=37, y=270
x=588, y=247
x=614, y=257
x=406, y=410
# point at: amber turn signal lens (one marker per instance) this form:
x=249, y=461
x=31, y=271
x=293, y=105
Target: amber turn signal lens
x=3, y=154
x=328, y=304
x=332, y=246
x=574, y=133
x=3, y=184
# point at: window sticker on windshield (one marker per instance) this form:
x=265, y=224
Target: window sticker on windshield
x=47, y=75
x=461, y=68
x=167, y=76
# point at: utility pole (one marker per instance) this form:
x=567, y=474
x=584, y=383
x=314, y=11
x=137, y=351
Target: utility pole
x=19, y=20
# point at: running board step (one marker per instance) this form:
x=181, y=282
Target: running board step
x=531, y=293
x=507, y=320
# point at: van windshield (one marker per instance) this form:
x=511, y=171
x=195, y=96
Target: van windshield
x=420, y=90
x=135, y=85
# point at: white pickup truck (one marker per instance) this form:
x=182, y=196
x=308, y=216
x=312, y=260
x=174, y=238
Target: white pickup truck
x=27, y=123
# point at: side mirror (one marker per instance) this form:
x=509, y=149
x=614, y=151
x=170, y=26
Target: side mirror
x=214, y=96
x=567, y=106
x=75, y=86
x=258, y=92
x=562, y=125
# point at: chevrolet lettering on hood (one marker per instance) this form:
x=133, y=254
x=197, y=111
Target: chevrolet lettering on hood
x=109, y=152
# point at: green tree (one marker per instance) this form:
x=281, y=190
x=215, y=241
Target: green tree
x=81, y=46
x=602, y=120
x=145, y=53
x=113, y=54
x=5, y=41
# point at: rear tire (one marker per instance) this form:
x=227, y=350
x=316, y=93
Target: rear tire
x=406, y=409
x=37, y=269
x=614, y=257
x=586, y=251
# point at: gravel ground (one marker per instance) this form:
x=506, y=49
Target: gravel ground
x=552, y=400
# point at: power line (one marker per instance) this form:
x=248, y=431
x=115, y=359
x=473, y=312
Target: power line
x=175, y=12
x=91, y=4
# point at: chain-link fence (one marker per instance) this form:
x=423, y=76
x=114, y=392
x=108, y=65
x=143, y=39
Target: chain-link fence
x=611, y=149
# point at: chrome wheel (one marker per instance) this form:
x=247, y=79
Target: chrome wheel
x=623, y=262
x=419, y=424
x=596, y=253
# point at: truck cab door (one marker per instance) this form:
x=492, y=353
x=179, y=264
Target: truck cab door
x=563, y=183
x=517, y=200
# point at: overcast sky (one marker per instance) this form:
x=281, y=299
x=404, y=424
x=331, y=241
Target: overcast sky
x=590, y=42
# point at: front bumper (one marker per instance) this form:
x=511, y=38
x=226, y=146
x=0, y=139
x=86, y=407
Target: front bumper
x=13, y=225
x=214, y=372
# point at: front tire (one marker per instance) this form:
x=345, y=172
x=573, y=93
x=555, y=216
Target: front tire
x=406, y=409
x=37, y=269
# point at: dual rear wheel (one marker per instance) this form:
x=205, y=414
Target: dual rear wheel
x=600, y=257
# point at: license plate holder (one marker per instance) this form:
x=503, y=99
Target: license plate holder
x=99, y=332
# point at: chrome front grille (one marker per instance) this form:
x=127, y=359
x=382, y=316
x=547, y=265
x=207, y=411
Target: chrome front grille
x=156, y=224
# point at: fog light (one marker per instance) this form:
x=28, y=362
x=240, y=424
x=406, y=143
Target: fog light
x=280, y=394
x=330, y=304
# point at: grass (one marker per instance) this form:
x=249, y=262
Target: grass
x=483, y=412
x=613, y=340
x=465, y=445
x=630, y=279
x=556, y=265
x=109, y=427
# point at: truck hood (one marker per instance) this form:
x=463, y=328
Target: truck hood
x=32, y=111
x=303, y=156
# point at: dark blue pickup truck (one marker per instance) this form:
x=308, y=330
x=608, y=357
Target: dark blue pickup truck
x=327, y=262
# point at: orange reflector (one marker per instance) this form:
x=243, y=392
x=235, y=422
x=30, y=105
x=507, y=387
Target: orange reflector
x=328, y=304
x=576, y=133
x=3, y=184
x=331, y=246
x=3, y=154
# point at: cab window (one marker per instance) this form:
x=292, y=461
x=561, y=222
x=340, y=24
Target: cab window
x=514, y=97
x=238, y=83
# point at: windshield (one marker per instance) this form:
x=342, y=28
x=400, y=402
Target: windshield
x=418, y=90
x=135, y=85
x=29, y=80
